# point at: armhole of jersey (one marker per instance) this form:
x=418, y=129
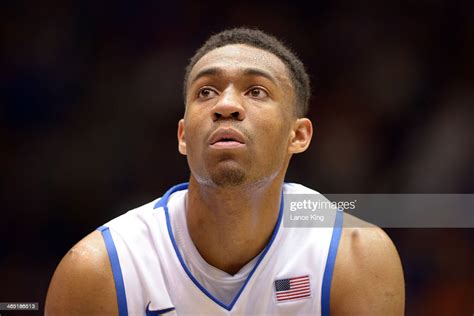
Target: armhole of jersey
x=116, y=270
x=330, y=261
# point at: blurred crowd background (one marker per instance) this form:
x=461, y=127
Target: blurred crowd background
x=90, y=97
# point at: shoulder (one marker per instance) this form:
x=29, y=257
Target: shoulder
x=368, y=276
x=296, y=188
x=83, y=283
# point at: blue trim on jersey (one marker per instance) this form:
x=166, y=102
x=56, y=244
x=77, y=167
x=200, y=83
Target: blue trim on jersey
x=116, y=270
x=163, y=202
x=330, y=261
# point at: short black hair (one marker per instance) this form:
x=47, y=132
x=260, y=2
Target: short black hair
x=269, y=43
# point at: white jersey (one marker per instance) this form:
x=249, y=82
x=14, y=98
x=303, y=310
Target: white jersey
x=291, y=276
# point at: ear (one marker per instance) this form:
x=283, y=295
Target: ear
x=300, y=136
x=181, y=138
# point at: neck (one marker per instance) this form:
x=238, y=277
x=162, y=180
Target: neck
x=231, y=225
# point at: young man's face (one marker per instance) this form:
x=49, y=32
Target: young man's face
x=239, y=117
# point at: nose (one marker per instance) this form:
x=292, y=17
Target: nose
x=229, y=106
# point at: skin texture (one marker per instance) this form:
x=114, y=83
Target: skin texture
x=234, y=191
x=83, y=283
x=368, y=275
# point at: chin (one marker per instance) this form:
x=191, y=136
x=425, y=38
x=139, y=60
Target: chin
x=229, y=177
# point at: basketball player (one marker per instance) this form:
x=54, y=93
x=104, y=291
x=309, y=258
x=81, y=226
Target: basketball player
x=217, y=245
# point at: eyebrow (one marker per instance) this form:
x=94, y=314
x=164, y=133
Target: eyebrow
x=214, y=71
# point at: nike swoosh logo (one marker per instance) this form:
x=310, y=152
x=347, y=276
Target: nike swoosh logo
x=158, y=311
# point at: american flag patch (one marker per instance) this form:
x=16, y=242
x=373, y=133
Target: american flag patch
x=292, y=288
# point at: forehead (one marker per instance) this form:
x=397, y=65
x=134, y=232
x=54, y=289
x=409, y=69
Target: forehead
x=239, y=57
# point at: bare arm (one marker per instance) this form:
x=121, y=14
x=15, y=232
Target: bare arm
x=368, y=275
x=83, y=283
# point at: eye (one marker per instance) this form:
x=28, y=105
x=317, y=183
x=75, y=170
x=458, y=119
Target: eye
x=206, y=93
x=258, y=93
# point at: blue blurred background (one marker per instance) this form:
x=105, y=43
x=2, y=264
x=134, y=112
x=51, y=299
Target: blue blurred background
x=90, y=97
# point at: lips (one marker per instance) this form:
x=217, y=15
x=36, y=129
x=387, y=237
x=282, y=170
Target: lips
x=226, y=135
